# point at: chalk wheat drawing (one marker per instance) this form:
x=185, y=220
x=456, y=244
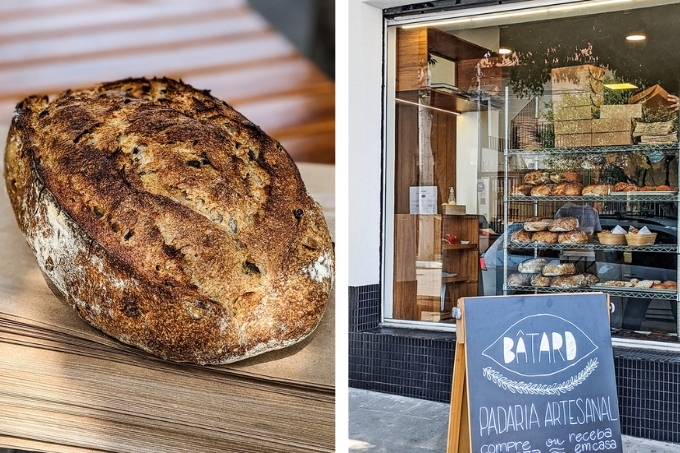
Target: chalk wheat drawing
x=529, y=388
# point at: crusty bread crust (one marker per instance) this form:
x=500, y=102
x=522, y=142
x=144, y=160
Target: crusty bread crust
x=168, y=220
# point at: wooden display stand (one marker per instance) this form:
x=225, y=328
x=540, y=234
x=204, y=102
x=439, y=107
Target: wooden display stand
x=460, y=264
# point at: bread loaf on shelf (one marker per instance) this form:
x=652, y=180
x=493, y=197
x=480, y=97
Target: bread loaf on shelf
x=544, y=237
x=573, y=281
x=568, y=189
x=554, y=269
x=544, y=190
x=168, y=220
x=540, y=281
x=565, y=177
x=597, y=189
x=518, y=279
x=563, y=224
x=521, y=236
x=536, y=224
x=572, y=237
x=532, y=266
x=521, y=190
x=537, y=177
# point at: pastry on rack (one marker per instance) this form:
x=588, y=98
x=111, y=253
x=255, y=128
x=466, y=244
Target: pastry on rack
x=574, y=281
x=537, y=177
x=563, y=224
x=521, y=236
x=597, y=189
x=568, y=189
x=521, y=189
x=555, y=269
x=544, y=237
x=544, y=190
x=532, y=266
x=572, y=237
x=536, y=224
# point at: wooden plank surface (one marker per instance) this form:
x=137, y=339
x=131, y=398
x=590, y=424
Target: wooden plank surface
x=47, y=47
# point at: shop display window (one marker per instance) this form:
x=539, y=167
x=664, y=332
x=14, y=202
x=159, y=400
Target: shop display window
x=533, y=149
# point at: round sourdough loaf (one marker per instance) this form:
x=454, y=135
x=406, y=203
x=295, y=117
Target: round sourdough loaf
x=168, y=220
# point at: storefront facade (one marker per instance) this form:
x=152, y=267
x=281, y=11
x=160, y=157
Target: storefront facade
x=473, y=124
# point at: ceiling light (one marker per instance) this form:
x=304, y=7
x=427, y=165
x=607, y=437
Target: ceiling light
x=504, y=51
x=636, y=37
x=620, y=86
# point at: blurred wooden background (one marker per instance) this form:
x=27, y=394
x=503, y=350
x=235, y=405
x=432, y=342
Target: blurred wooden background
x=47, y=46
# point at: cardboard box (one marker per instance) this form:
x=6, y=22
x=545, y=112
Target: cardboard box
x=576, y=76
x=612, y=125
x=573, y=127
x=621, y=111
x=450, y=209
x=584, y=112
x=572, y=140
x=577, y=86
x=611, y=138
x=573, y=98
x=654, y=98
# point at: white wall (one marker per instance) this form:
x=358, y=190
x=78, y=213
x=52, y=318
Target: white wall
x=364, y=153
x=467, y=150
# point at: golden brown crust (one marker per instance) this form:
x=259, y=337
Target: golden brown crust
x=169, y=220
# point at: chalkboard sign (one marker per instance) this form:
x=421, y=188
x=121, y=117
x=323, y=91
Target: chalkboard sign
x=536, y=375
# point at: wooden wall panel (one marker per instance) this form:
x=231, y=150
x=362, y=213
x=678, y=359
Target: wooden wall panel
x=411, y=56
x=405, y=283
x=406, y=155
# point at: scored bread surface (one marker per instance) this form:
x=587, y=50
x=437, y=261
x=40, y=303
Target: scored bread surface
x=168, y=220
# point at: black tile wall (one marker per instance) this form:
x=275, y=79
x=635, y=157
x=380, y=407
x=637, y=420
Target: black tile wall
x=403, y=362
x=419, y=364
x=648, y=384
x=364, y=307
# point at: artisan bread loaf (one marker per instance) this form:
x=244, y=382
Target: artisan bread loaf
x=555, y=269
x=536, y=224
x=521, y=236
x=537, y=177
x=544, y=237
x=532, y=266
x=569, y=189
x=544, y=190
x=572, y=237
x=521, y=189
x=563, y=224
x=168, y=220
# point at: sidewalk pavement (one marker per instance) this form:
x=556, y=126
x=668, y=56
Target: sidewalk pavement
x=382, y=423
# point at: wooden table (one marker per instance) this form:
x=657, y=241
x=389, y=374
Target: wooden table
x=47, y=46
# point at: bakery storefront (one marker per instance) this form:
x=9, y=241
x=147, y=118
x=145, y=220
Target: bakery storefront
x=526, y=147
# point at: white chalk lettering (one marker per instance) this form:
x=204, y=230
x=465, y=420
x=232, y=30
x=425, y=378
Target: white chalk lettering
x=513, y=446
x=505, y=419
x=594, y=440
x=554, y=347
x=578, y=411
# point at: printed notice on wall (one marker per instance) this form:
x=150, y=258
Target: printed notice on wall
x=423, y=200
x=541, y=374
